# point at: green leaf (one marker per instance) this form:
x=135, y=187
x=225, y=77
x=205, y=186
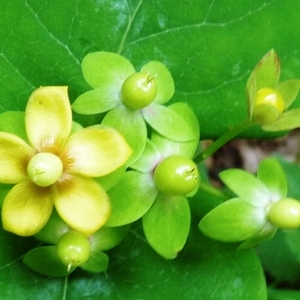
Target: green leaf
x=292, y=238
x=132, y=126
x=287, y=121
x=277, y=253
x=210, y=67
x=292, y=172
x=264, y=114
x=233, y=221
x=271, y=174
x=110, y=180
x=289, y=90
x=283, y=294
x=168, y=123
x=267, y=71
x=149, y=158
x=163, y=79
x=265, y=234
x=246, y=186
x=97, y=262
x=96, y=101
x=188, y=149
x=106, y=69
x=45, y=261
x=108, y=237
x=131, y=198
x=53, y=230
x=166, y=225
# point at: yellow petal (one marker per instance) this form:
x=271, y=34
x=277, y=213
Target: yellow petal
x=95, y=151
x=26, y=209
x=14, y=157
x=81, y=203
x=48, y=118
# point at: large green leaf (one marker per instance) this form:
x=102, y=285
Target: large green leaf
x=204, y=270
x=209, y=46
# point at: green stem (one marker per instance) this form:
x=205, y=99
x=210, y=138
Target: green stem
x=222, y=140
x=65, y=288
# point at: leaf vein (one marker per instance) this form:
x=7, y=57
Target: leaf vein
x=204, y=23
x=52, y=36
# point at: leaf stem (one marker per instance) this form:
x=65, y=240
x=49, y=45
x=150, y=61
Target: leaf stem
x=222, y=140
x=130, y=21
x=65, y=288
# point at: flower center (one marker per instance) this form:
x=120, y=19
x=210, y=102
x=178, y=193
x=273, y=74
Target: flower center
x=44, y=169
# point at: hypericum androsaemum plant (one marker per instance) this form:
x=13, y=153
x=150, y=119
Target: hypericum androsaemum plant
x=54, y=167
x=51, y=159
x=131, y=99
x=268, y=99
x=261, y=206
x=156, y=186
x=69, y=249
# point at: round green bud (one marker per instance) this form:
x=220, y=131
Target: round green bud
x=268, y=106
x=44, y=169
x=285, y=213
x=73, y=249
x=138, y=90
x=176, y=175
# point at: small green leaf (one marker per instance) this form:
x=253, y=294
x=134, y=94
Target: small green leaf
x=267, y=72
x=264, y=114
x=98, y=100
x=131, y=198
x=287, y=121
x=97, y=262
x=168, y=147
x=168, y=123
x=289, y=90
x=233, y=221
x=106, y=69
x=292, y=173
x=188, y=114
x=246, y=186
x=110, y=180
x=53, y=230
x=163, y=79
x=166, y=225
x=271, y=174
x=149, y=158
x=45, y=261
x=75, y=127
x=108, y=237
x=266, y=233
x=132, y=126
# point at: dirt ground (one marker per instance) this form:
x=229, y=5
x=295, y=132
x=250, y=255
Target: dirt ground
x=247, y=154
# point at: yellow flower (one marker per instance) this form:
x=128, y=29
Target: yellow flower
x=54, y=169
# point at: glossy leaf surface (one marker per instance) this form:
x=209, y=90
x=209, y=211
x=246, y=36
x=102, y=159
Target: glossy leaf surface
x=208, y=47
